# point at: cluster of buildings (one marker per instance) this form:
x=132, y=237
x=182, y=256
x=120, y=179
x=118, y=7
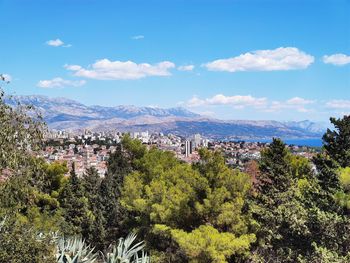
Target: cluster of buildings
x=82, y=157
x=84, y=151
x=90, y=149
x=239, y=153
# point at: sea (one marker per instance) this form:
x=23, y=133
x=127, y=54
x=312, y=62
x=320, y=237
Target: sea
x=311, y=142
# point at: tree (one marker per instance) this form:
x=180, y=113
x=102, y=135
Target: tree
x=275, y=170
x=21, y=203
x=337, y=142
x=91, y=182
x=299, y=219
x=111, y=215
x=94, y=232
x=75, y=206
x=206, y=244
x=279, y=206
x=21, y=130
x=172, y=202
x=20, y=243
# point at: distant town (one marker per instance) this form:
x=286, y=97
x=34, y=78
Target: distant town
x=92, y=149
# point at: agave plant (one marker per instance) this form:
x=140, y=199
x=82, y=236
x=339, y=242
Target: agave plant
x=126, y=252
x=74, y=250
x=2, y=223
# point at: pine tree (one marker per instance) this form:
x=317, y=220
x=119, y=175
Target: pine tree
x=278, y=207
x=275, y=170
x=337, y=142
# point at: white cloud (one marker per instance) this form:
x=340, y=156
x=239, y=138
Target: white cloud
x=186, y=68
x=57, y=43
x=297, y=103
x=283, y=58
x=237, y=101
x=262, y=103
x=138, y=37
x=72, y=67
x=338, y=104
x=60, y=83
x=105, y=69
x=337, y=59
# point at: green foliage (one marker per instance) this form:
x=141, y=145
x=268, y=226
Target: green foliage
x=324, y=255
x=20, y=243
x=327, y=173
x=94, y=231
x=111, y=215
x=164, y=191
x=55, y=177
x=337, y=143
x=344, y=177
x=19, y=132
x=75, y=206
x=300, y=167
x=276, y=170
x=343, y=196
x=280, y=207
x=206, y=244
x=300, y=221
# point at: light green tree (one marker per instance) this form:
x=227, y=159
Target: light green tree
x=176, y=202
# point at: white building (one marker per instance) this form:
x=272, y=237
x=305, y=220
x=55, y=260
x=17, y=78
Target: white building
x=188, y=148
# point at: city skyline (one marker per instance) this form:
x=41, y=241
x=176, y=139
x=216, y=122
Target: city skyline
x=225, y=59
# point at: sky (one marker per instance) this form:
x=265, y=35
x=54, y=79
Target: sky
x=257, y=60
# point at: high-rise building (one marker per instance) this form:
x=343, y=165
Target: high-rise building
x=188, y=148
x=196, y=141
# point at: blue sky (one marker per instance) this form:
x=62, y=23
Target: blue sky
x=263, y=59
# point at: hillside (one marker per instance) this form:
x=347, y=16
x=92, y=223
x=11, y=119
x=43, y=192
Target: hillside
x=65, y=114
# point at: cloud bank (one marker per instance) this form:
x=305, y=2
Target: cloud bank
x=339, y=104
x=283, y=58
x=248, y=101
x=105, y=69
x=60, y=83
x=237, y=101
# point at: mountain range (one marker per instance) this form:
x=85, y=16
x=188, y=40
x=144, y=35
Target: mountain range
x=70, y=115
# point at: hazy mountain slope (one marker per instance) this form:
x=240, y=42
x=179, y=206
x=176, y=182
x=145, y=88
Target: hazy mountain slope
x=65, y=114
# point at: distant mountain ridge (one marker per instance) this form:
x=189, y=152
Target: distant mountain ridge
x=67, y=114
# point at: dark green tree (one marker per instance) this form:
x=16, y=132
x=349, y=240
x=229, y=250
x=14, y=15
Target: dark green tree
x=276, y=173
x=94, y=233
x=279, y=209
x=75, y=206
x=337, y=143
x=91, y=183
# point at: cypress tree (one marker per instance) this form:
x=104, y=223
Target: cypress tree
x=75, y=205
